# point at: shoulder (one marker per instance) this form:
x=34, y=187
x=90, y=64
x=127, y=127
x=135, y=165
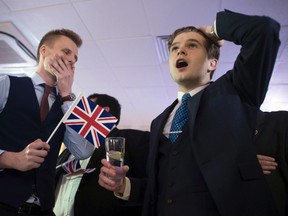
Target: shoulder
x=15, y=79
x=276, y=121
x=277, y=116
x=134, y=136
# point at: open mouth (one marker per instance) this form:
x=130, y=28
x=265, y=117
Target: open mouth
x=181, y=63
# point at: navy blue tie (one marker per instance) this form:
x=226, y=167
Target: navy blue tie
x=179, y=119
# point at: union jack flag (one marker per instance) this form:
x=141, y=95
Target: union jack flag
x=73, y=167
x=90, y=120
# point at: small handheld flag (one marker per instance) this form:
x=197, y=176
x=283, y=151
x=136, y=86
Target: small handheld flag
x=73, y=167
x=90, y=120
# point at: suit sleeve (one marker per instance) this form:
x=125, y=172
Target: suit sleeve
x=259, y=40
x=138, y=152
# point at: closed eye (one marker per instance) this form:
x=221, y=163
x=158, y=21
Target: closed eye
x=67, y=51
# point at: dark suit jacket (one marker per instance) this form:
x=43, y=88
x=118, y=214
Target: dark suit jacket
x=272, y=140
x=222, y=121
x=91, y=197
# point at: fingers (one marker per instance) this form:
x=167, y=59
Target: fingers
x=266, y=161
x=105, y=179
x=111, y=177
x=39, y=145
x=106, y=163
x=64, y=73
x=125, y=169
x=264, y=157
x=60, y=65
x=268, y=164
x=208, y=30
x=106, y=182
x=220, y=43
x=113, y=172
x=33, y=155
x=107, y=170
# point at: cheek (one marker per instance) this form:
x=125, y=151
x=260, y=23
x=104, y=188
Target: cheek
x=171, y=63
x=171, y=70
x=46, y=65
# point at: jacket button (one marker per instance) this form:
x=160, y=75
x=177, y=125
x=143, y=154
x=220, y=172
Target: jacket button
x=174, y=153
x=169, y=201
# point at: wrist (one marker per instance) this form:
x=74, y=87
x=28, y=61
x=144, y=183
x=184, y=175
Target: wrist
x=7, y=160
x=121, y=189
x=213, y=31
x=68, y=97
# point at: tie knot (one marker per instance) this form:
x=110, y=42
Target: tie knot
x=185, y=97
x=47, y=88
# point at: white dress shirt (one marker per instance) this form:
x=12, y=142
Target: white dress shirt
x=66, y=191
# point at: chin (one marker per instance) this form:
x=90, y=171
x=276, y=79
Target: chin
x=51, y=74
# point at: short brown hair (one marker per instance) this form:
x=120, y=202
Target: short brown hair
x=49, y=38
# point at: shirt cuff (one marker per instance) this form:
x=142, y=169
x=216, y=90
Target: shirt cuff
x=65, y=106
x=215, y=29
x=1, y=152
x=127, y=191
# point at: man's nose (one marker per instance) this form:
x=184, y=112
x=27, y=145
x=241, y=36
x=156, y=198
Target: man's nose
x=181, y=51
x=72, y=60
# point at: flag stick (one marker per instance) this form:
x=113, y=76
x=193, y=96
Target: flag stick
x=68, y=161
x=65, y=116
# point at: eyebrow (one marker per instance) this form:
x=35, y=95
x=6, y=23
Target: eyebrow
x=189, y=40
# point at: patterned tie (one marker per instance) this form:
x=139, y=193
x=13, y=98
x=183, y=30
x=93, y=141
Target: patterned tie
x=44, y=105
x=179, y=119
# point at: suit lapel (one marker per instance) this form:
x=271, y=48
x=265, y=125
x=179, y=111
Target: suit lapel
x=63, y=156
x=158, y=126
x=193, y=106
x=259, y=124
x=156, y=132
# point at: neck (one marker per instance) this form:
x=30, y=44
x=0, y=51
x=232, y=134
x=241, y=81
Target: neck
x=47, y=76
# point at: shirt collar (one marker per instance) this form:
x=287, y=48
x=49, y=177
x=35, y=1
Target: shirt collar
x=37, y=79
x=193, y=92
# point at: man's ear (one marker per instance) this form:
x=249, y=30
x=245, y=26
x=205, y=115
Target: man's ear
x=106, y=108
x=42, y=50
x=212, y=64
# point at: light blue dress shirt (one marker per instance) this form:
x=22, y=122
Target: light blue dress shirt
x=76, y=144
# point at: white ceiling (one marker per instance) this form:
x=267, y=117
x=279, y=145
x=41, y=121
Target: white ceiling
x=119, y=55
